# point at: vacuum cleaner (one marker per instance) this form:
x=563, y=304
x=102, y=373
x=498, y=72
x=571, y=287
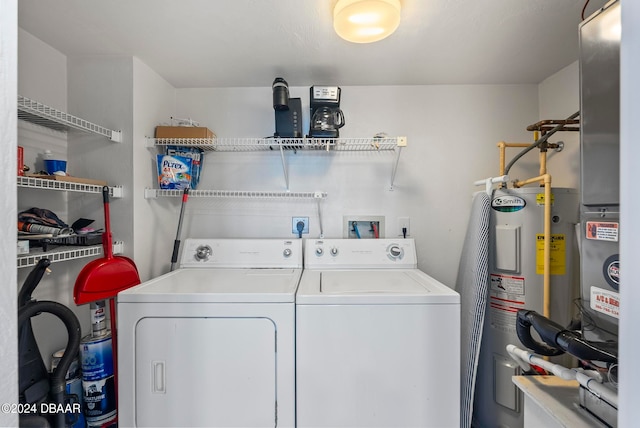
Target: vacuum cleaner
x=37, y=387
x=598, y=393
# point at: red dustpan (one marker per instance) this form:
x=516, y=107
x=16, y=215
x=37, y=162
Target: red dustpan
x=103, y=278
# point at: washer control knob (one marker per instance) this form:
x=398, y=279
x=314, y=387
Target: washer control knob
x=203, y=252
x=334, y=251
x=287, y=252
x=319, y=251
x=395, y=252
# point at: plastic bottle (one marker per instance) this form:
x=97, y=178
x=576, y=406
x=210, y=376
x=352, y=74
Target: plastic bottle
x=52, y=165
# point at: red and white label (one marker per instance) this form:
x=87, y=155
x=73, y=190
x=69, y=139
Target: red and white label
x=506, y=297
x=605, y=301
x=602, y=231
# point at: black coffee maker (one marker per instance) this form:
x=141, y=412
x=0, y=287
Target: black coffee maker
x=288, y=111
x=326, y=117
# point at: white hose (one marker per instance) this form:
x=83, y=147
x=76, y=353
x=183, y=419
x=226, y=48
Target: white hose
x=522, y=356
x=589, y=379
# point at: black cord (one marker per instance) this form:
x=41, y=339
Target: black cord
x=300, y=227
x=584, y=8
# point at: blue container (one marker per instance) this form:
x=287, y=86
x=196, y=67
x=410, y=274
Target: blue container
x=98, y=380
x=52, y=166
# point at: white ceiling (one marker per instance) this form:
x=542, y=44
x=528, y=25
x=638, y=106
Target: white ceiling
x=234, y=43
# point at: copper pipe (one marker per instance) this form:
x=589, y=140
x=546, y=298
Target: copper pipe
x=541, y=126
x=540, y=141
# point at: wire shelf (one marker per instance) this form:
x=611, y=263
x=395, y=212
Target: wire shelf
x=65, y=253
x=282, y=145
x=43, y=115
x=65, y=186
x=238, y=194
x=60, y=254
x=294, y=144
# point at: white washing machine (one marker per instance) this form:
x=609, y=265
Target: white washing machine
x=213, y=342
x=377, y=340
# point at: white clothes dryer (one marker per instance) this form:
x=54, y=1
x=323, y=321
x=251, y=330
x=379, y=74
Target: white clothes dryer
x=213, y=342
x=377, y=340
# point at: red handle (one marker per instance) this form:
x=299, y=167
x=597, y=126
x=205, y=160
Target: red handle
x=107, y=239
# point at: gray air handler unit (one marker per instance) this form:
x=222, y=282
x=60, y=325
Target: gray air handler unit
x=516, y=266
x=600, y=153
x=600, y=199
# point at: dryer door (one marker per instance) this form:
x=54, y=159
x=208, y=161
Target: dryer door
x=214, y=372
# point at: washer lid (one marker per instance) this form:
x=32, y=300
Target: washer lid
x=217, y=286
x=397, y=286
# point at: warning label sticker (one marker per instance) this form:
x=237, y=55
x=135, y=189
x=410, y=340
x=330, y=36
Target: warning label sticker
x=540, y=199
x=506, y=297
x=557, y=257
x=507, y=284
x=602, y=231
x=605, y=301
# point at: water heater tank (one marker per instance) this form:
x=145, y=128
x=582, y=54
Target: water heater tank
x=516, y=281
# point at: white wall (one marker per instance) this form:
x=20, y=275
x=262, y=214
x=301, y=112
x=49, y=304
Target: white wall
x=8, y=142
x=155, y=219
x=452, y=133
x=101, y=91
x=559, y=97
x=43, y=72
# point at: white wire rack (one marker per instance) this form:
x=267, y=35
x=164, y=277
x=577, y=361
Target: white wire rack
x=64, y=253
x=259, y=144
x=282, y=145
x=155, y=193
x=66, y=186
x=49, y=117
x=59, y=255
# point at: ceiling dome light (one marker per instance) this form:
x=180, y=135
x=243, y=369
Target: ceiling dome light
x=366, y=21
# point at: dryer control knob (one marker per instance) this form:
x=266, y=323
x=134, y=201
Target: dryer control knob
x=203, y=252
x=334, y=251
x=287, y=252
x=319, y=251
x=395, y=252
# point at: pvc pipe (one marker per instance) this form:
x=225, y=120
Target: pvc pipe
x=502, y=149
x=599, y=389
x=546, y=179
x=488, y=182
x=542, y=156
x=543, y=162
x=589, y=379
x=522, y=356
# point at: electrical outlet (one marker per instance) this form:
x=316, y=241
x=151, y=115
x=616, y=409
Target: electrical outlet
x=294, y=225
x=403, y=225
x=363, y=226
